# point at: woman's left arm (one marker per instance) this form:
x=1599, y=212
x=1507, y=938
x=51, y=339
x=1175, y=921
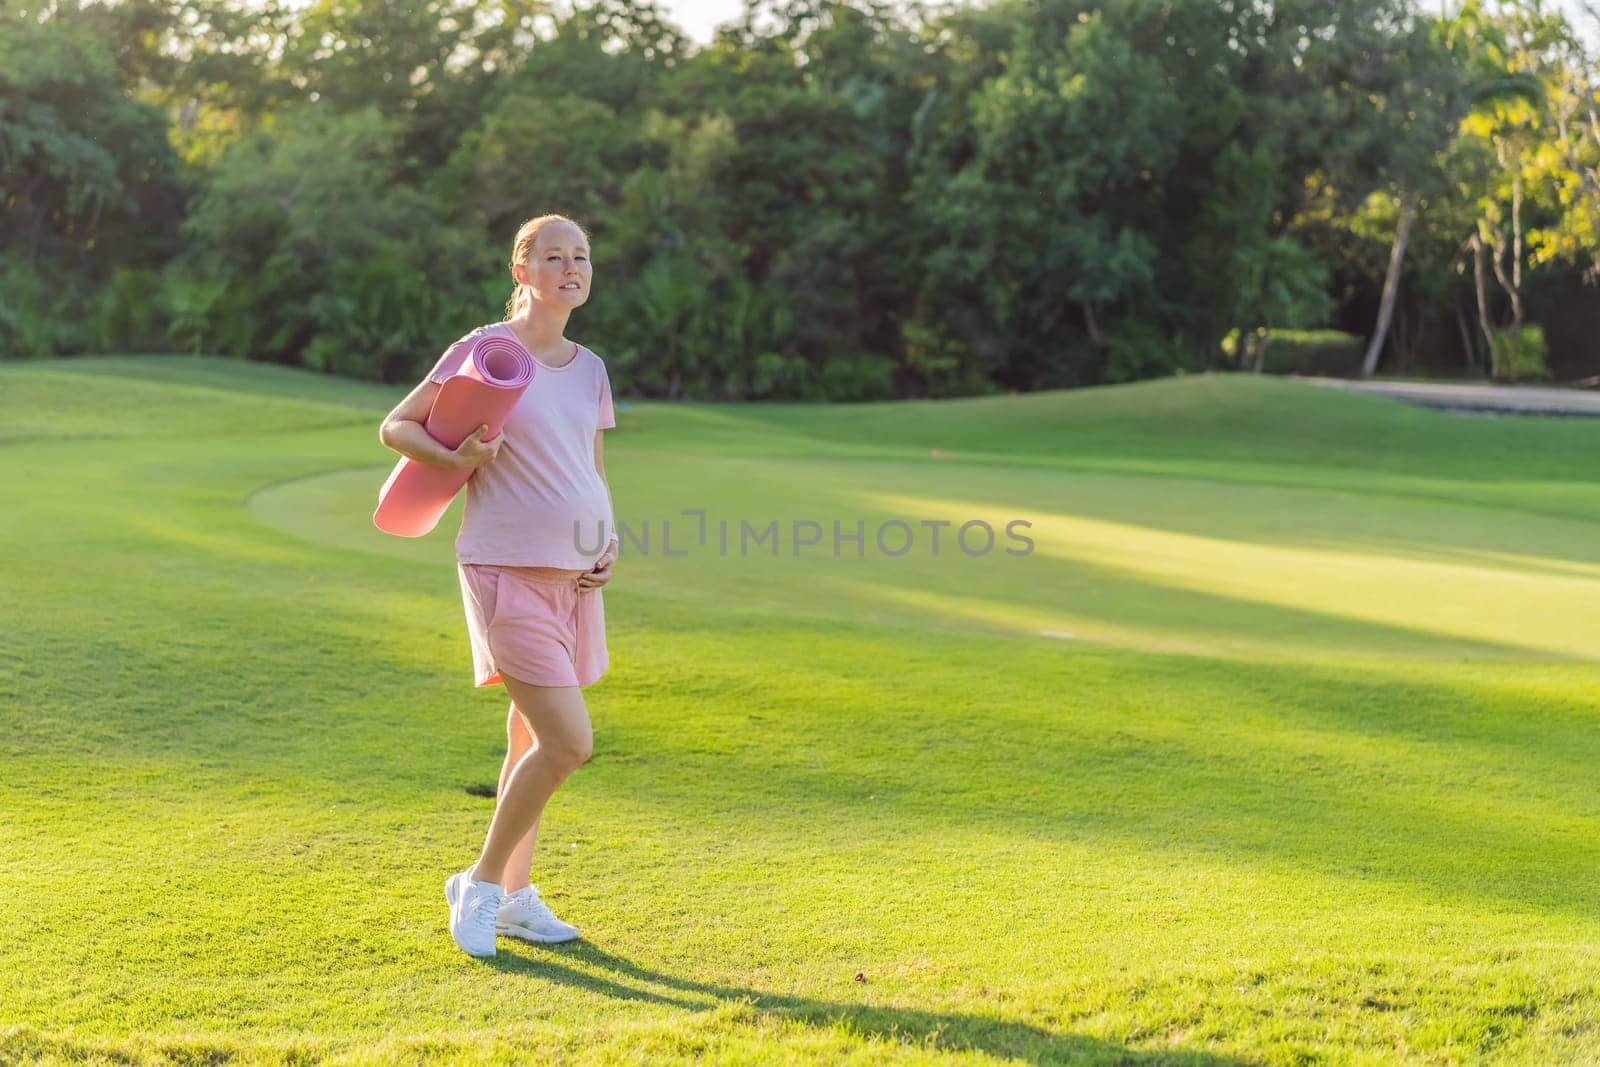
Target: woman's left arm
x=601, y=574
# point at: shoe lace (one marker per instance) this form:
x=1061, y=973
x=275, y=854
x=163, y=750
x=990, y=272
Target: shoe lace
x=528, y=896
x=483, y=917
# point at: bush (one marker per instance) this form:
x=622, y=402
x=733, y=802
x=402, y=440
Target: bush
x=860, y=377
x=942, y=363
x=1136, y=349
x=124, y=314
x=191, y=301
x=41, y=311
x=778, y=377
x=1329, y=353
x=1518, y=355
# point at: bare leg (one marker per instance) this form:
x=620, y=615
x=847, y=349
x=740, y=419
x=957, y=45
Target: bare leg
x=519, y=741
x=557, y=717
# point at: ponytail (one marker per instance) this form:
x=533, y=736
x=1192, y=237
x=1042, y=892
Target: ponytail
x=517, y=301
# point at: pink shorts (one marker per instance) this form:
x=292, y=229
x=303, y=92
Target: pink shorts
x=534, y=624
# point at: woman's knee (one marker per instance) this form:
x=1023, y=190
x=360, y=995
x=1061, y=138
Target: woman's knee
x=572, y=747
x=583, y=747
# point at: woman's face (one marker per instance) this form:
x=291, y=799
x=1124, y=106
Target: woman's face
x=558, y=270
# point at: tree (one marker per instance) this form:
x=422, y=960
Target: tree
x=351, y=284
x=81, y=162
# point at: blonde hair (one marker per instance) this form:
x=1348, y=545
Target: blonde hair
x=522, y=248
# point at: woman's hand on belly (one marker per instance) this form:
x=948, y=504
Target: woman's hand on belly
x=601, y=574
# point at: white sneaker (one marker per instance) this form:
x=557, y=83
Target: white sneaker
x=472, y=912
x=522, y=914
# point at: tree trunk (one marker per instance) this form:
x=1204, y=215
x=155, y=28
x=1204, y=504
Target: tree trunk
x=1516, y=249
x=1480, y=285
x=1088, y=319
x=1467, y=348
x=1512, y=290
x=1391, y=287
x=1513, y=284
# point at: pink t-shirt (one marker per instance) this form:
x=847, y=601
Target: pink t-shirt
x=540, y=502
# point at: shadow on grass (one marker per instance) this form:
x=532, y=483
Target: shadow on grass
x=1466, y=792
x=925, y=1030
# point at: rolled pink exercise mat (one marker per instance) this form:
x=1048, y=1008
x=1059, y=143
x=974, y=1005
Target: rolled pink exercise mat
x=490, y=382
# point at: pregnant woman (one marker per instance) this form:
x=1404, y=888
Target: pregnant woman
x=537, y=541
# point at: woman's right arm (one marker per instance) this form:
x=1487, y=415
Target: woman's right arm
x=403, y=430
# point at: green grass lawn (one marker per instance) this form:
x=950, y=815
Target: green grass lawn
x=1280, y=746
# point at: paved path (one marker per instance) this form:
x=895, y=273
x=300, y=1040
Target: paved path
x=1466, y=396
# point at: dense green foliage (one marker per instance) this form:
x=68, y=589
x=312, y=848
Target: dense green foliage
x=838, y=200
